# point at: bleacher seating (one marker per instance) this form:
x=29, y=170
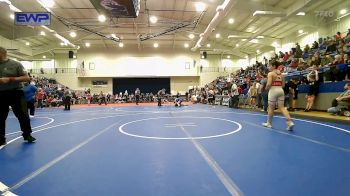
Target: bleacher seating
x=296, y=63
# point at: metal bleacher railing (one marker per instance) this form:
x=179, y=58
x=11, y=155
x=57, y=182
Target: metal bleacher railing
x=305, y=72
x=217, y=69
x=54, y=71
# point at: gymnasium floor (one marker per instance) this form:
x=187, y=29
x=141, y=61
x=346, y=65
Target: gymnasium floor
x=192, y=150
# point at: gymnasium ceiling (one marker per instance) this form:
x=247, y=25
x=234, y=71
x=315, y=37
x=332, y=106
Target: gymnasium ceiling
x=172, y=13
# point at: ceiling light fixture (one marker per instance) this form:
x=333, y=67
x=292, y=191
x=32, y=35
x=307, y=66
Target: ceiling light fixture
x=260, y=37
x=47, y=3
x=208, y=45
x=13, y=8
x=237, y=45
x=243, y=40
x=218, y=35
x=42, y=33
x=156, y=45
x=102, y=18
x=27, y=43
x=73, y=34
x=12, y=16
x=186, y=45
x=301, y=14
x=343, y=11
x=191, y=36
x=44, y=57
x=255, y=41
x=228, y=56
x=300, y=31
x=265, y=13
x=257, y=51
x=87, y=44
x=200, y=6
x=275, y=44
x=121, y=45
x=231, y=20
x=153, y=19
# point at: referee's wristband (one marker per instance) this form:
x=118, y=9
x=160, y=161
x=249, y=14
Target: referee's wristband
x=12, y=79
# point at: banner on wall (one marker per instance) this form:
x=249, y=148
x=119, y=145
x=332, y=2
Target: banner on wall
x=118, y=8
x=32, y=18
x=99, y=83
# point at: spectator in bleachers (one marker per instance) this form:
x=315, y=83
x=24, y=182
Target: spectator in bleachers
x=347, y=62
x=265, y=61
x=298, y=51
x=137, y=95
x=315, y=45
x=253, y=93
x=293, y=66
x=312, y=79
x=294, y=92
x=323, y=44
x=89, y=98
x=285, y=57
x=108, y=98
x=319, y=57
x=307, y=48
x=346, y=47
x=326, y=61
x=234, y=95
x=40, y=97
x=126, y=96
x=333, y=73
x=331, y=46
x=281, y=54
x=314, y=61
x=338, y=36
x=343, y=97
x=102, y=98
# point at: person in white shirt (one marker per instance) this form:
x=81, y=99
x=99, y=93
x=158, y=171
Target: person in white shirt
x=234, y=95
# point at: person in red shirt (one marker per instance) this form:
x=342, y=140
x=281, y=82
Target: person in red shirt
x=39, y=97
x=286, y=57
x=338, y=36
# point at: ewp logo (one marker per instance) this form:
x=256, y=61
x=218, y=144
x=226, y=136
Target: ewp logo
x=33, y=18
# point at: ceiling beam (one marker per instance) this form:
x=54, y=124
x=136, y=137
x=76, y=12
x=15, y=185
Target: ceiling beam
x=291, y=11
x=15, y=46
x=172, y=16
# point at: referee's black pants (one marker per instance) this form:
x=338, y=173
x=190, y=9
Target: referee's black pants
x=159, y=101
x=15, y=99
x=66, y=102
x=137, y=99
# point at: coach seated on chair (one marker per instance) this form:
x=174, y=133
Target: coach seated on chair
x=342, y=99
